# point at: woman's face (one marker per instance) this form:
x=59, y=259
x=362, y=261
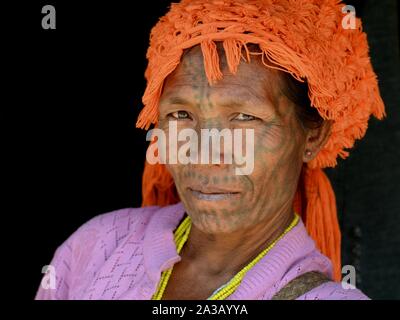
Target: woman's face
x=251, y=99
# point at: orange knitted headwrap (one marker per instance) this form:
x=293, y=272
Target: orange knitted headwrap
x=302, y=37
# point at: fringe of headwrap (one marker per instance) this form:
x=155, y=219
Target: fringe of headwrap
x=350, y=113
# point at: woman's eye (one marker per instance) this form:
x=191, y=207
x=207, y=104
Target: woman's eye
x=244, y=117
x=180, y=114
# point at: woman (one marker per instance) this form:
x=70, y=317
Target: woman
x=291, y=72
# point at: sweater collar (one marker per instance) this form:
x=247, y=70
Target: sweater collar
x=291, y=256
x=159, y=246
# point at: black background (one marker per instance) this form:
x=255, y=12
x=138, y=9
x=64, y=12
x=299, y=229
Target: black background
x=78, y=153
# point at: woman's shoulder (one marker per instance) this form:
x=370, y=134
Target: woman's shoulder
x=113, y=227
x=86, y=250
x=122, y=221
x=334, y=291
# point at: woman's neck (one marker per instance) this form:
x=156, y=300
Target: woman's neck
x=227, y=253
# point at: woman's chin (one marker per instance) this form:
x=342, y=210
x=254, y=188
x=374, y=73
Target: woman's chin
x=216, y=217
x=215, y=223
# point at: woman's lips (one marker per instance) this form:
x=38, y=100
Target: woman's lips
x=214, y=195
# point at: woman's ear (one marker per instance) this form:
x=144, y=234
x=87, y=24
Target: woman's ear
x=316, y=139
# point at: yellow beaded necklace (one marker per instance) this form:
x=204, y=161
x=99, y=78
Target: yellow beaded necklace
x=181, y=235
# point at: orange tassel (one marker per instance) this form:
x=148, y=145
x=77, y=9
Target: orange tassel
x=321, y=216
x=158, y=187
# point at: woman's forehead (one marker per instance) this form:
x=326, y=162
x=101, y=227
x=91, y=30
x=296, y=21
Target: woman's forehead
x=251, y=79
